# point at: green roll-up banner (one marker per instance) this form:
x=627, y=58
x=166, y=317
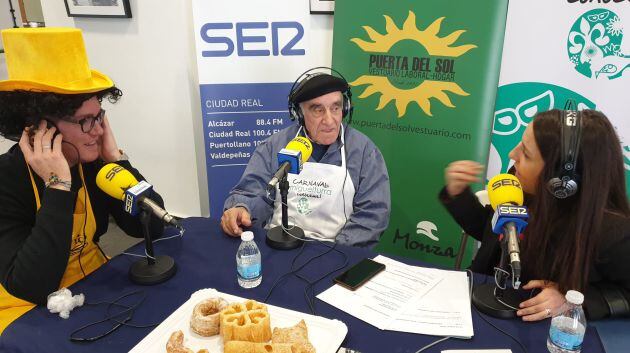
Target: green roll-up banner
x=424, y=78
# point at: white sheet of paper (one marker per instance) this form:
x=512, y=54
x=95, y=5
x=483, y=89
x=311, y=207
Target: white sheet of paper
x=380, y=300
x=443, y=311
x=409, y=299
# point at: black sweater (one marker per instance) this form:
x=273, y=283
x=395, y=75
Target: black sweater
x=35, y=245
x=609, y=276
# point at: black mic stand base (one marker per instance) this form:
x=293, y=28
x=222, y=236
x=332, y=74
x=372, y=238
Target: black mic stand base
x=486, y=301
x=145, y=273
x=278, y=238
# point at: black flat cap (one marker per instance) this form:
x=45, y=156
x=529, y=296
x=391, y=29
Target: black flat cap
x=318, y=85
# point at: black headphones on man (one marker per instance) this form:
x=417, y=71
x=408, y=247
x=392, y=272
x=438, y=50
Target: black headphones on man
x=565, y=184
x=305, y=80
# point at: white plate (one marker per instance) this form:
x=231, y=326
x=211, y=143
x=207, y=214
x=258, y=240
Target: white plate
x=325, y=334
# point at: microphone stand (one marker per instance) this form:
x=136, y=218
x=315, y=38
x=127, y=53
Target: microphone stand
x=278, y=237
x=497, y=300
x=152, y=269
x=12, y=11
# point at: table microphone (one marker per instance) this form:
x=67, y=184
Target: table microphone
x=119, y=183
x=291, y=159
x=510, y=217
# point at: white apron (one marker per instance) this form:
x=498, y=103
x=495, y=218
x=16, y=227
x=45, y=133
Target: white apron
x=317, y=198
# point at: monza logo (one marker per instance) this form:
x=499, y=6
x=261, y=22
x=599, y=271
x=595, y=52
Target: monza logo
x=595, y=43
x=427, y=228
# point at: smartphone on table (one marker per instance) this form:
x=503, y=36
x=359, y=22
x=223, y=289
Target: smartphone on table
x=358, y=274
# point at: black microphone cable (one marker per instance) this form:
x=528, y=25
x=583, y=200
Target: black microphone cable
x=472, y=276
x=310, y=288
x=119, y=319
x=309, y=294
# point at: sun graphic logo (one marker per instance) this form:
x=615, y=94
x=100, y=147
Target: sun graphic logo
x=427, y=228
x=516, y=106
x=403, y=78
x=595, y=45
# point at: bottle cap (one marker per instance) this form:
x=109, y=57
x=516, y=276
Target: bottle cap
x=574, y=297
x=247, y=236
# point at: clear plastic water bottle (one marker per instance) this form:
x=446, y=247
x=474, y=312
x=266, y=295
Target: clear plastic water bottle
x=248, y=262
x=567, y=328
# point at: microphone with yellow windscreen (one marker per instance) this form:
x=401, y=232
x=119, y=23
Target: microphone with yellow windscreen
x=303, y=145
x=114, y=180
x=119, y=183
x=510, y=217
x=291, y=159
x=505, y=189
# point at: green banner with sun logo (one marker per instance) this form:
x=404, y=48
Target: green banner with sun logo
x=424, y=77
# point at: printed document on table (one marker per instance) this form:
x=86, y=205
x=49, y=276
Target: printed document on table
x=443, y=311
x=383, y=297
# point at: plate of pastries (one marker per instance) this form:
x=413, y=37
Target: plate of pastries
x=215, y=322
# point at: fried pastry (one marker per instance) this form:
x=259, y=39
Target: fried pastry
x=175, y=344
x=254, y=347
x=296, y=335
x=205, y=319
x=248, y=321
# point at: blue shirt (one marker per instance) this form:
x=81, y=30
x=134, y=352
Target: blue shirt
x=366, y=167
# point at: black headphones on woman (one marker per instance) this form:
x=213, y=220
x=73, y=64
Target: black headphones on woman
x=565, y=184
x=302, y=83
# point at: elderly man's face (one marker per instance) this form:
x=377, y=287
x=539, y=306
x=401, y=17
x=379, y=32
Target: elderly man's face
x=322, y=117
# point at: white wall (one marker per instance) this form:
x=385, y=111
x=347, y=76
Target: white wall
x=151, y=58
x=6, y=21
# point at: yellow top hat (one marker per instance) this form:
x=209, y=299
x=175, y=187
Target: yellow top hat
x=49, y=60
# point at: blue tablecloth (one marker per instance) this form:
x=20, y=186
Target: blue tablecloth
x=206, y=259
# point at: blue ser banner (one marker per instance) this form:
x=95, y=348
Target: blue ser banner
x=236, y=119
x=248, y=56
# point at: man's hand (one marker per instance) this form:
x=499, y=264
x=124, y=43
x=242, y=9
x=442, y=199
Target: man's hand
x=233, y=219
x=547, y=303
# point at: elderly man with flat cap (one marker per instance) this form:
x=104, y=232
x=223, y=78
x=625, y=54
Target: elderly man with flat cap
x=342, y=193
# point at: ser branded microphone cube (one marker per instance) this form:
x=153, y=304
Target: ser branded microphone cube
x=509, y=213
x=133, y=194
x=293, y=157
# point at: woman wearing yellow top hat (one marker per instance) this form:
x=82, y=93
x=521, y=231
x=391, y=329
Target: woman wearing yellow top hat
x=51, y=211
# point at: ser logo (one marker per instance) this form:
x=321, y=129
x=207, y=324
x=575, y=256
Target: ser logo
x=505, y=182
x=512, y=210
x=112, y=172
x=253, y=38
x=128, y=203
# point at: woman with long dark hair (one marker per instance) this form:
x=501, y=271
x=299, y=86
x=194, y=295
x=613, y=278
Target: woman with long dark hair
x=52, y=214
x=580, y=242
